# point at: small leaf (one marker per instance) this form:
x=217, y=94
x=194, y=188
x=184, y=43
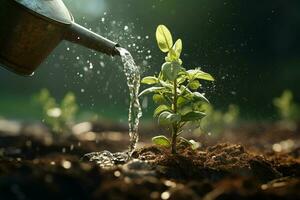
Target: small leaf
x=166, y=84
x=150, y=90
x=199, y=96
x=181, y=79
x=159, y=99
x=194, y=85
x=193, y=116
x=195, y=145
x=167, y=59
x=160, y=109
x=166, y=118
x=178, y=47
x=170, y=70
x=184, y=141
x=164, y=38
x=150, y=80
x=161, y=141
x=198, y=74
x=181, y=101
x=172, y=56
x=189, y=143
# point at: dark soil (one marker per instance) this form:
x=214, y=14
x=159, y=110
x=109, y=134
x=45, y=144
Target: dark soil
x=242, y=166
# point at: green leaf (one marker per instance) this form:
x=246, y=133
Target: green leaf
x=166, y=118
x=161, y=141
x=199, y=96
x=170, y=70
x=189, y=143
x=181, y=101
x=164, y=38
x=166, y=84
x=193, y=116
x=178, y=47
x=195, y=145
x=159, y=99
x=167, y=59
x=69, y=107
x=198, y=74
x=181, y=79
x=149, y=80
x=151, y=90
x=172, y=56
x=160, y=109
x=194, y=85
x=184, y=141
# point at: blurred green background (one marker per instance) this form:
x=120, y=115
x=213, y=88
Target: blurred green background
x=251, y=47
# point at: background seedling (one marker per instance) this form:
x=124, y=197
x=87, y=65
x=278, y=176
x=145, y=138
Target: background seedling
x=287, y=109
x=217, y=121
x=57, y=116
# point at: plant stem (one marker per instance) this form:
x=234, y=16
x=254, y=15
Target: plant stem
x=175, y=128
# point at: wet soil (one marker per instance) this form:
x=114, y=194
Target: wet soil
x=242, y=163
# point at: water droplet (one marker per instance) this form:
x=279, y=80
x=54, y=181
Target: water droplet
x=66, y=164
x=165, y=195
x=102, y=64
x=91, y=66
x=117, y=173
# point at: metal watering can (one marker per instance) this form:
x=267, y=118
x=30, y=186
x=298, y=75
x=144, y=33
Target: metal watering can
x=31, y=29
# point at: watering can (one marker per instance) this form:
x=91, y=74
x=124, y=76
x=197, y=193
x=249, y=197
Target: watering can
x=31, y=29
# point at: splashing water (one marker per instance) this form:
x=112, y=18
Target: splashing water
x=107, y=159
x=132, y=72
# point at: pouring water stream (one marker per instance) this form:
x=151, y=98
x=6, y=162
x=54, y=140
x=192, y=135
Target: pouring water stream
x=105, y=158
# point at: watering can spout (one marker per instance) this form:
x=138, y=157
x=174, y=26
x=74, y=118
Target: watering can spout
x=82, y=36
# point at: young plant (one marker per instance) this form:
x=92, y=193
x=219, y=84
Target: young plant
x=216, y=120
x=57, y=116
x=175, y=91
x=286, y=107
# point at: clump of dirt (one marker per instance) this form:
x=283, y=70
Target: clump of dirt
x=35, y=168
x=217, y=162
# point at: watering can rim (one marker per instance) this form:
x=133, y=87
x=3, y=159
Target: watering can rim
x=67, y=21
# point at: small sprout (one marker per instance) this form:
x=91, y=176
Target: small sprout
x=286, y=107
x=57, y=116
x=175, y=91
x=216, y=121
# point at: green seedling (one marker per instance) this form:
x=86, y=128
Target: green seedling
x=286, y=107
x=175, y=91
x=57, y=116
x=216, y=120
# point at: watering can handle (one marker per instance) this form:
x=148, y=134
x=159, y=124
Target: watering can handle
x=82, y=36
